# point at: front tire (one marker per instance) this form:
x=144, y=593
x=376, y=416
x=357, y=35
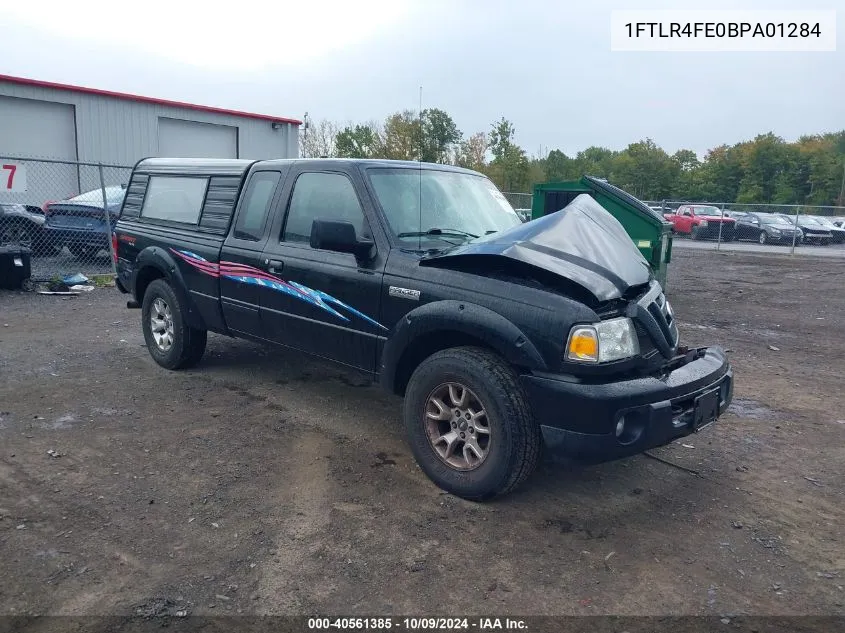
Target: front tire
x=763, y=238
x=172, y=343
x=695, y=233
x=469, y=423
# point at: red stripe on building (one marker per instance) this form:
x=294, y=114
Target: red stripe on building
x=23, y=81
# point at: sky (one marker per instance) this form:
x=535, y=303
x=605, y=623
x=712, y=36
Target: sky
x=546, y=66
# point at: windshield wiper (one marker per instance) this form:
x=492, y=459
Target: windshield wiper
x=436, y=231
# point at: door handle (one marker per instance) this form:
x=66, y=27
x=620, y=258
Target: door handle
x=274, y=265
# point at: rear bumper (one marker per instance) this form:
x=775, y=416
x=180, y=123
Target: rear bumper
x=63, y=237
x=579, y=420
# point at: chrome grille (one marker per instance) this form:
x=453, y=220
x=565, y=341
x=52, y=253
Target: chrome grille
x=654, y=316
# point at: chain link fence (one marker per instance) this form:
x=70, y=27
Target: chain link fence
x=521, y=202
x=63, y=211
x=805, y=229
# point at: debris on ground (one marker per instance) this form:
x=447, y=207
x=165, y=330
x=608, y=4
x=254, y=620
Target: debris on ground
x=72, y=280
x=773, y=348
x=53, y=453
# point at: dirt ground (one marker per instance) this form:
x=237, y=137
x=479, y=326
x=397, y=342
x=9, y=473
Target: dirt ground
x=263, y=482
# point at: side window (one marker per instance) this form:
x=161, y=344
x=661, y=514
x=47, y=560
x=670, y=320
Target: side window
x=325, y=196
x=687, y=212
x=174, y=198
x=255, y=205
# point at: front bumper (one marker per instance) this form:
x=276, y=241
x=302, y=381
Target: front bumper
x=786, y=239
x=711, y=231
x=816, y=238
x=579, y=419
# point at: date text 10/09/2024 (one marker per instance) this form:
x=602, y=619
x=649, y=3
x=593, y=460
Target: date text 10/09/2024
x=418, y=624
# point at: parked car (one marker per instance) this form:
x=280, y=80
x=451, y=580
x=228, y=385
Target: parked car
x=736, y=215
x=814, y=232
x=502, y=336
x=524, y=214
x=767, y=228
x=701, y=221
x=837, y=233
x=23, y=224
x=80, y=222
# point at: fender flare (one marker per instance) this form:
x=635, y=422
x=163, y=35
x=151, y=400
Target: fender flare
x=475, y=321
x=158, y=258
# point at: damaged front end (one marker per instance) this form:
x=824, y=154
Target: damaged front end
x=584, y=253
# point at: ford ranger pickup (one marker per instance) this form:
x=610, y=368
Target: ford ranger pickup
x=504, y=338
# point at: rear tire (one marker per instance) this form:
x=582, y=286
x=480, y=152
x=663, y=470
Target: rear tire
x=463, y=400
x=172, y=343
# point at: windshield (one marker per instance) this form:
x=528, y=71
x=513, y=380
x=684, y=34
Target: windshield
x=775, y=219
x=460, y=205
x=824, y=222
x=708, y=211
x=114, y=195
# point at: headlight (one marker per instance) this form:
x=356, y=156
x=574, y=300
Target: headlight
x=703, y=223
x=776, y=231
x=603, y=342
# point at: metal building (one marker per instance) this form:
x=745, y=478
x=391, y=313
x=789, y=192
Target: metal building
x=44, y=121
x=40, y=119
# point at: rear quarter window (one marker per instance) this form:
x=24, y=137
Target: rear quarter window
x=174, y=199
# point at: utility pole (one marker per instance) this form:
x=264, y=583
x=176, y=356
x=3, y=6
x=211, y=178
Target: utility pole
x=842, y=187
x=305, y=134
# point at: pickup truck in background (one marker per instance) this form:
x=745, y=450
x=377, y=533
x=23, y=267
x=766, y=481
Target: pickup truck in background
x=504, y=338
x=702, y=221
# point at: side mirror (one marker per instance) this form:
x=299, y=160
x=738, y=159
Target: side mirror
x=332, y=235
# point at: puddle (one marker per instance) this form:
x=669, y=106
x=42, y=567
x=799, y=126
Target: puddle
x=697, y=326
x=109, y=411
x=64, y=422
x=746, y=408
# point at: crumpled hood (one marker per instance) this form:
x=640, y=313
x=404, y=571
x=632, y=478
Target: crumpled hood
x=582, y=243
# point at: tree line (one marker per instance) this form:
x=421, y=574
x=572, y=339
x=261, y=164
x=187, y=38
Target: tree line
x=767, y=169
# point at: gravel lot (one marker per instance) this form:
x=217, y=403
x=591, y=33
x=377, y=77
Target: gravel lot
x=263, y=482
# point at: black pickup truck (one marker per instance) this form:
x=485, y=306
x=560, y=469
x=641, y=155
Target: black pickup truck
x=504, y=337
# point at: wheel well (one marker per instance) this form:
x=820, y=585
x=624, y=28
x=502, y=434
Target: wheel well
x=145, y=277
x=424, y=346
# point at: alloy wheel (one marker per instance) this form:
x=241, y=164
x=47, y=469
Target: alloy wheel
x=161, y=324
x=457, y=426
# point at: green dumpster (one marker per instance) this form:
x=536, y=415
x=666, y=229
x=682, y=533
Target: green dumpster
x=648, y=229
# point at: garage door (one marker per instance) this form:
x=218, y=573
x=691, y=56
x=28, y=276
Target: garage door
x=40, y=129
x=188, y=139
